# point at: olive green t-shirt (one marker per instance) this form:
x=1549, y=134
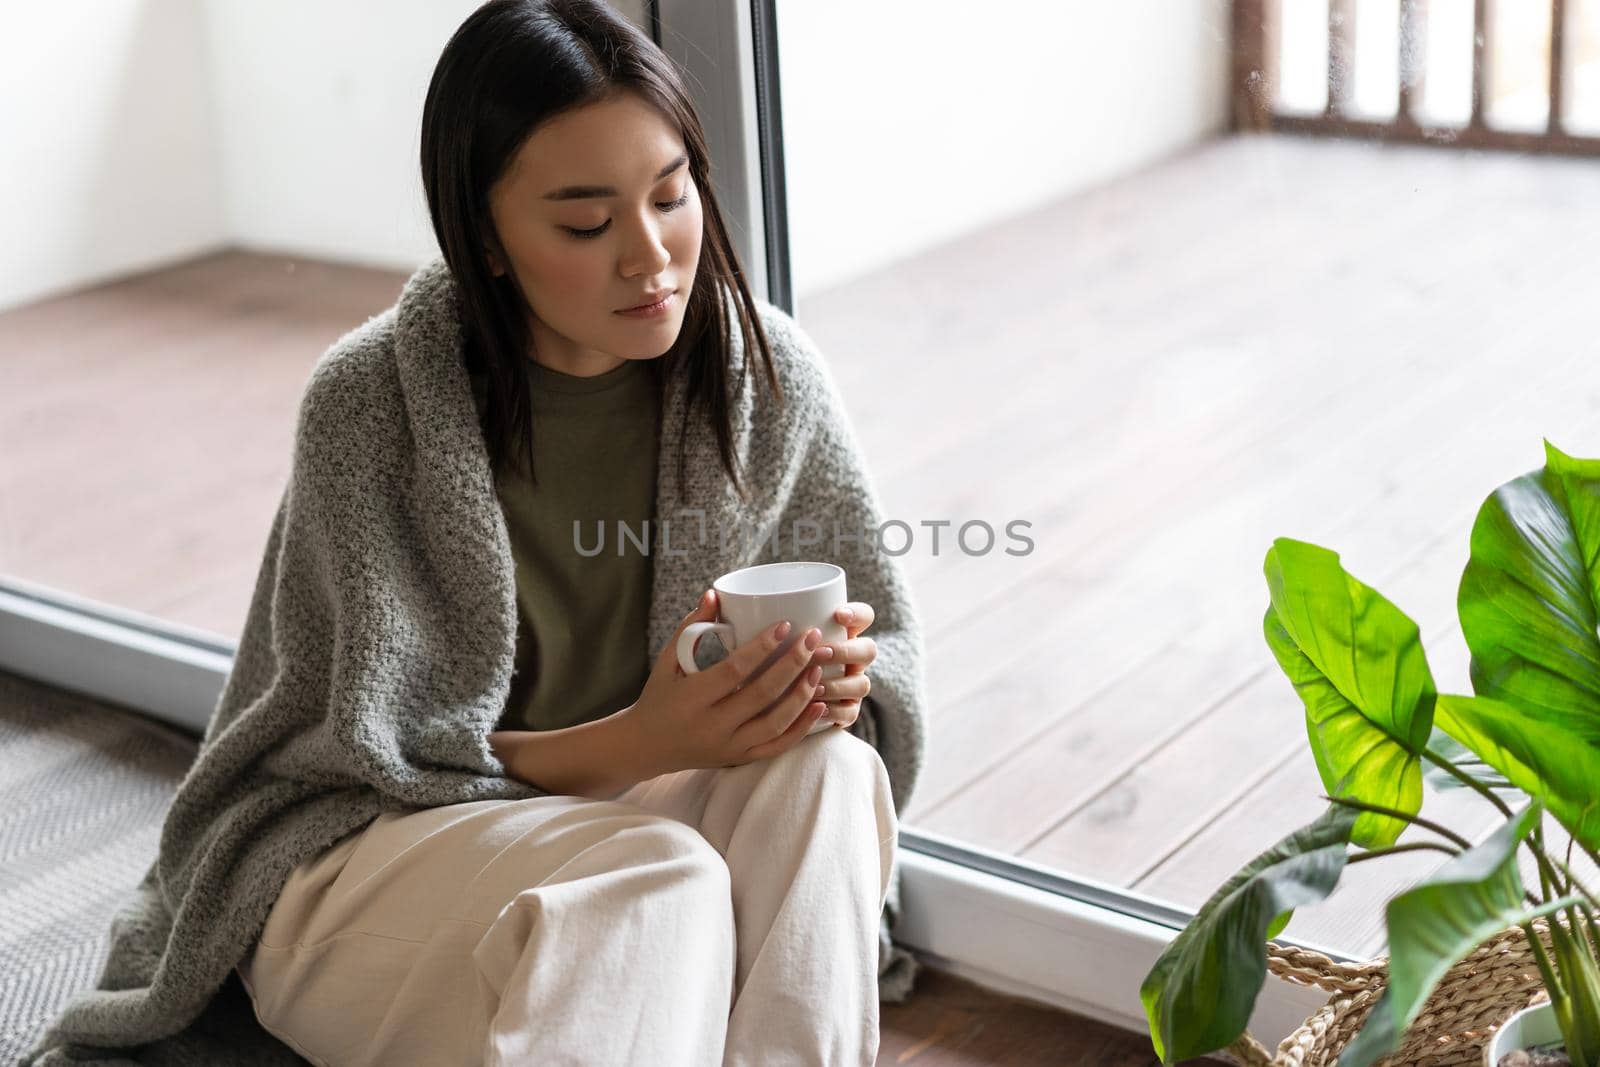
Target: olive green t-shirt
x=583, y=594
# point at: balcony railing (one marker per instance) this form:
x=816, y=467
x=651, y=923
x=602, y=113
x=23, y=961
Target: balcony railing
x=1257, y=65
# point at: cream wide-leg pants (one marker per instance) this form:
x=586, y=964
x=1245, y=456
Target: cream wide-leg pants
x=705, y=917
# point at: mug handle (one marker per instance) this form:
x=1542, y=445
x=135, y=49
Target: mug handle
x=691, y=636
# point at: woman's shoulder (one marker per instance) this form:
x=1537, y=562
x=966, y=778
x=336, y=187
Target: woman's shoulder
x=355, y=358
x=349, y=391
x=363, y=365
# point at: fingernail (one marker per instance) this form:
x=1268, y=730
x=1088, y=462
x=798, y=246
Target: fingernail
x=813, y=638
x=847, y=615
x=782, y=631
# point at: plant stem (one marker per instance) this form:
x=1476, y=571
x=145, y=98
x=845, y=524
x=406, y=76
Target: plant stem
x=1467, y=780
x=1545, y=860
x=1361, y=805
x=1578, y=1011
x=1579, y=1016
x=1594, y=932
x=1552, y=984
x=1575, y=884
x=1580, y=946
x=1415, y=846
x=1536, y=846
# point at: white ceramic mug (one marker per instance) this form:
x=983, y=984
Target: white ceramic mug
x=753, y=598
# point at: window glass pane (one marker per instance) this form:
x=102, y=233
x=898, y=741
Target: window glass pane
x=206, y=198
x=1109, y=347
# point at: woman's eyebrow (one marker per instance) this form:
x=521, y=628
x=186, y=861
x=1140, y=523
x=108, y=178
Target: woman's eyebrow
x=584, y=192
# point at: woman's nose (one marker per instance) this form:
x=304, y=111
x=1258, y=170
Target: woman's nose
x=647, y=252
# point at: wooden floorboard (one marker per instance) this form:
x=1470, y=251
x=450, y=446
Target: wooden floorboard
x=1195, y=667
x=1260, y=336
x=1130, y=581
x=951, y=1022
x=146, y=426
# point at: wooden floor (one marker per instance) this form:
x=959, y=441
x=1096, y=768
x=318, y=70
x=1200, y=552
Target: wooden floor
x=1263, y=336
x=949, y=1022
x=146, y=427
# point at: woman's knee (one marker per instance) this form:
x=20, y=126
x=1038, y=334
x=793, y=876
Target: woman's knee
x=838, y=758
x=660, y=839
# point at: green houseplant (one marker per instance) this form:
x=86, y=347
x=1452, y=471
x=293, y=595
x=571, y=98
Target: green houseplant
x=1527, y=740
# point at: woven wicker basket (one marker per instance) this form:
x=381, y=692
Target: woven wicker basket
x=1471, y=1002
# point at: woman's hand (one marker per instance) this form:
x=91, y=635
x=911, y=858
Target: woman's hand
x=843, y=694
x=728, y=714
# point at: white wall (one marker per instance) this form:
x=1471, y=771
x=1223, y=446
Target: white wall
x=323, y=122
x=139, y=132
x=169, y=127
x=323, y=119
x=110, y=161
x=900, y=134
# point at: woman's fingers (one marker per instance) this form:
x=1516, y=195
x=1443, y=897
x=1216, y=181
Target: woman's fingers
x=734, y=671
x=792, y=736
x=786, y=722
x=845, y=712
x=857, y=650
x=846, y=687
x=856, y=616
x=760, y=693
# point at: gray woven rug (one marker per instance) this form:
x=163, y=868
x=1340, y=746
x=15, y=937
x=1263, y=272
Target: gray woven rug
x=84, y=786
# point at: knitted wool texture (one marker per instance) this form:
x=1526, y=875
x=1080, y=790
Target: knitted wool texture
x=377, y=651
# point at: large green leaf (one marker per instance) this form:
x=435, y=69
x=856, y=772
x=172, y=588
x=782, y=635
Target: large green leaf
x=1437, y=924
x=1448, y=748
x=1199, y=994
x=1528, y=595
x=1541, y=759
x=1464, y=760
x=1357, y=662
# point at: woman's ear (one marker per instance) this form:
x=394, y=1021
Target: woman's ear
x=492, y=254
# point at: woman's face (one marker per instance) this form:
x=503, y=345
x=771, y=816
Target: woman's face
x=619, y=170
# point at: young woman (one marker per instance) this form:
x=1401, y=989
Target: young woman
x=459, y=803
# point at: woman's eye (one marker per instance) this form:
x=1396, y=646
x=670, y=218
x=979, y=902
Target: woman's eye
x=670, y=205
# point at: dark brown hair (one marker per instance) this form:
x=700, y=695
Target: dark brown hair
x=510, y=66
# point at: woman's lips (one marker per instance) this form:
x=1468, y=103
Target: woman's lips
x=646, y=310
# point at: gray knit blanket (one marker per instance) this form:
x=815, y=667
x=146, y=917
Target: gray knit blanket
x=377, y=651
